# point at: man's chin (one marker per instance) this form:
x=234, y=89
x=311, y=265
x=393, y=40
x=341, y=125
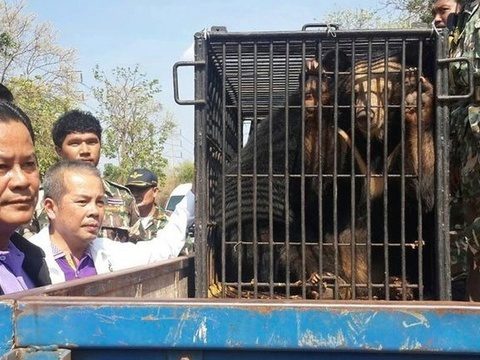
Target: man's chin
x=88, y=236
x=21, y=216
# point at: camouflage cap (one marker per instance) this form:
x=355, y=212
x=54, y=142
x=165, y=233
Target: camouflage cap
x=142, y=177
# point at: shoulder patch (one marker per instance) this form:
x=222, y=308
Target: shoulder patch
x=115, y=201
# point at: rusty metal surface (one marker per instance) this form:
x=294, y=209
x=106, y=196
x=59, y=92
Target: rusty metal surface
x=34, y=353
x=249, y=325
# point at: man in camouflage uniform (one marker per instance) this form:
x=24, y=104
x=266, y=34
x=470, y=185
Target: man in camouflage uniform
x=77, y=136
x=143, y=185
x=442, y=10
x=121, y=219
x=465, y=128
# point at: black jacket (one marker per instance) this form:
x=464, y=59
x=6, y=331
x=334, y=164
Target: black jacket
x=34, y=262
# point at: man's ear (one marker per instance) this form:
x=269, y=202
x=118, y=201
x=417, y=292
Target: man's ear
x=156, y=193
x=58, y=150
x=50, y=208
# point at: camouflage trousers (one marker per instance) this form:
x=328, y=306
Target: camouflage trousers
x=458, y=250
x=472, y=240
x=465, y=249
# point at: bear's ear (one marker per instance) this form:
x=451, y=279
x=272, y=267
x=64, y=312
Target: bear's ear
x=413, y=58
x=329, y=59
x=411, y=55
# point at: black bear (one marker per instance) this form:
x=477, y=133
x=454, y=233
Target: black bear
x=305, y=199
x=388, y=216
x=262, y=220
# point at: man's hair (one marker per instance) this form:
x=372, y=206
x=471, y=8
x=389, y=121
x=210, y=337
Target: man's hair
x=75, y=121
x=10, y=112
x=5, y=94
x=54, y=179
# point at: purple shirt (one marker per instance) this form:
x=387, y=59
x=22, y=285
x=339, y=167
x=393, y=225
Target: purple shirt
x=12, y=276
x=85, y=268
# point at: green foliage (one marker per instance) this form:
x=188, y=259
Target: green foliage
x=182, y=173
x=40, y=73
x=111, y=171
x=6, y=42
x=185, y=172
x=414, y=11
x=43, y=107
x=353, y=18
x=134, y=129
x=389, y=14
x=29, y=50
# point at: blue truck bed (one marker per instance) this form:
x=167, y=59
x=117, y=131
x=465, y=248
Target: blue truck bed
x=45, y=324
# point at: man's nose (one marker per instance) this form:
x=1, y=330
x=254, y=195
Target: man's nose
x=94, y=209
x=84, y=148
x=18, y=179
x=438, y=21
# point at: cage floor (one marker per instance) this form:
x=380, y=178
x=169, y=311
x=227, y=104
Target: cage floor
x=316, y=288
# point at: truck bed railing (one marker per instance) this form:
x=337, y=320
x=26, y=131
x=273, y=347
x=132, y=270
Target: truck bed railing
x=128, y=328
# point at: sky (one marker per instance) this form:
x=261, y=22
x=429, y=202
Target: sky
x=157, y=33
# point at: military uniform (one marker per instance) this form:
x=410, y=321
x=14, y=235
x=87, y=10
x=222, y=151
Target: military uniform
x=141, y=182
x=121, y=219
x=154, y=223
x=465, y=136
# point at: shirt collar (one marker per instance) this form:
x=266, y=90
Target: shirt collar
x=12, y=251
x=57, y=253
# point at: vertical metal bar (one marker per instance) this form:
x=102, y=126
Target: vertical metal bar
x=385, y=176
x=302, y=175
x=353, y=178
x=369, y=170
x=442, y=201
x=255, y=182
x=320, y=157
x=286, y=170
x=270, y=171
x=420, y=129
x=239, y=246
x=444, y=266
x=335, y=173
x=201, y=179
x=402, y=175
x=223, y=177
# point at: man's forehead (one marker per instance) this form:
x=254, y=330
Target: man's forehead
x=83, y=135
x=439, y=3
x=7, y=153
x=74, y=180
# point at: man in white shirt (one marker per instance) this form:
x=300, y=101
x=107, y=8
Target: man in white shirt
x=74, y=203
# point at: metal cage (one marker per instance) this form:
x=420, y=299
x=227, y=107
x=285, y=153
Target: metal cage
x=312, y=179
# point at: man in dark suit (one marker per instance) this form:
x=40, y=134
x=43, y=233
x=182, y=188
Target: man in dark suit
x=22, y=264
